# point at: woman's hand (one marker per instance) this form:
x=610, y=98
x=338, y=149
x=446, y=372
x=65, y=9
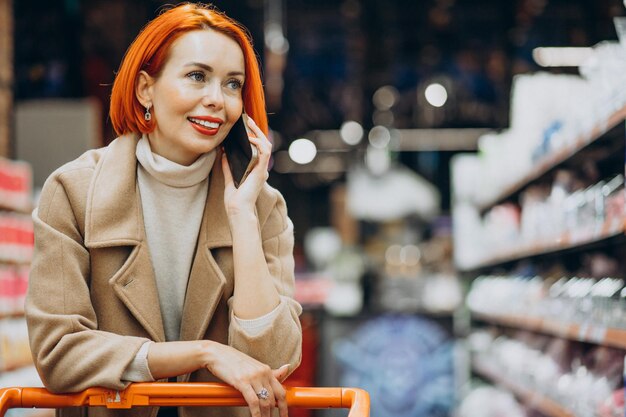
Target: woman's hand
x=233, y=367
x=242, y=199
x=250, y=377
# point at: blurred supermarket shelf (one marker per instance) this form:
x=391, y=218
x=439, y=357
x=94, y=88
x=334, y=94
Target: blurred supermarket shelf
x=25, y=210
x=553, y=160
x=334, y=155
x=409, y=140
x=587, y=332
x=12, y=315
x=11, y=261
x=609, y=233
x=16, y=366
x=531, y=398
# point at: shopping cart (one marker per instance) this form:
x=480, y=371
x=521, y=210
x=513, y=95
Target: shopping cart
x=180, y=394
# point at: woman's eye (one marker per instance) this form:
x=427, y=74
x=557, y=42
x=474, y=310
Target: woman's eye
x=234, y=84
x=196, y=76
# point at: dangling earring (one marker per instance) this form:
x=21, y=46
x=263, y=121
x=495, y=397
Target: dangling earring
x=147, y=116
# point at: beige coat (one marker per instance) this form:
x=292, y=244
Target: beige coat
x=92, y=299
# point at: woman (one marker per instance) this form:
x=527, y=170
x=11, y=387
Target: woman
x=150, y=263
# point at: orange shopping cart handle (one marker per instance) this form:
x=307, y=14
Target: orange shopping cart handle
x=188, y=394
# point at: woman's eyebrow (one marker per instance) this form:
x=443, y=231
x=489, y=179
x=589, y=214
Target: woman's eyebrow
x=210, y=68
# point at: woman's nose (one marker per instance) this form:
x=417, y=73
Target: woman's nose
x=213, y=96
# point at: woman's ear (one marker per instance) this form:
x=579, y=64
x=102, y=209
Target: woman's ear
x=143, y=88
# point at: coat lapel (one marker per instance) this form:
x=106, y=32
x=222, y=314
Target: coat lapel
x=206, y=281
x=114, y=218
x=135, y=285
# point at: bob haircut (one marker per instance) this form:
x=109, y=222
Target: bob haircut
x=149, y=52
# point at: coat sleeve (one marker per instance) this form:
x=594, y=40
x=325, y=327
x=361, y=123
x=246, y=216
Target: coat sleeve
x=69, y=351
x=280, y=342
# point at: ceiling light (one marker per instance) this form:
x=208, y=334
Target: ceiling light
x=302, y=151
x=385, y=97
x=351, y=132
x=379, y=137
x=436, y=95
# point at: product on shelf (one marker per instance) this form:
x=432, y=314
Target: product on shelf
x=14, y=347
x=13, y=287
x=551, y=115
x=487, y=401
x=16, y=249
x=547, y=218
x=419, y=278
x=430, y=292
x=16, y=237
x=312, y=289
x=588, y=302
x=15, y=185
x=583, y=380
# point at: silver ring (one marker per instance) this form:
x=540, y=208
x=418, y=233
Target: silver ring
x=263, y=394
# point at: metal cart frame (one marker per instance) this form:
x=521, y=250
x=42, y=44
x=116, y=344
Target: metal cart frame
x=180, y=394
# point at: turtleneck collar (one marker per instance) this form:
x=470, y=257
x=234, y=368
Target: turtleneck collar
x=170, y=173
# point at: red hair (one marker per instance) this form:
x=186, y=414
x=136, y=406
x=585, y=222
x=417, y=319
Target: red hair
x=149, y=52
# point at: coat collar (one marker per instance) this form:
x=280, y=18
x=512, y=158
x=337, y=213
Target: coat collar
x=113, y=212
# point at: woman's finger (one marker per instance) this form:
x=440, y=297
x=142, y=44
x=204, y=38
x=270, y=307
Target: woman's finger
x=281, y=397
x=264, y=146
x=266, y=398
x=252, y=399
x=228, y=176
x=265, y=151
x=256, y=129
x=281, y=373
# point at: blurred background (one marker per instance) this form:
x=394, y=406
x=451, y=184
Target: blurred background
x=454, y=170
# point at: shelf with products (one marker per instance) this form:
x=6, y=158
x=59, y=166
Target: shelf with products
x=13, y=288
x=610, y=233
x=16, y=235
x=16, y=179
x=16, y=249
x=14, y=262
x=576, y=212
x=532, y=398
x=549, y=373
x=581, y=309
x=12, y=315
x=597, y=334
x=553, y=160
x=26, y=210
x=16, y=366
x=575, y=201
x=540, y=231
x=16, y=238
x=14, y=347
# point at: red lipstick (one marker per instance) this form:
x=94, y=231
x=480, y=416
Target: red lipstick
x=208, y=131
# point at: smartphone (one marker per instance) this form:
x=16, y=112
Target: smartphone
x=241, y=154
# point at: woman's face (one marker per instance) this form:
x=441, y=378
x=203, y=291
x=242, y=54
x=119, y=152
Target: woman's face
x=197, y=97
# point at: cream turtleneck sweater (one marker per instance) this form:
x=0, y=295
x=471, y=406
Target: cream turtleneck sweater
x=173, y=197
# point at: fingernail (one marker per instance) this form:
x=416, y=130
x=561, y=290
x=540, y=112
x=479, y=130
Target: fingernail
x=284, y=366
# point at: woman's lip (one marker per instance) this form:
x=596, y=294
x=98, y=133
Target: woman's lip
x=204, y=130
x=208, y=119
